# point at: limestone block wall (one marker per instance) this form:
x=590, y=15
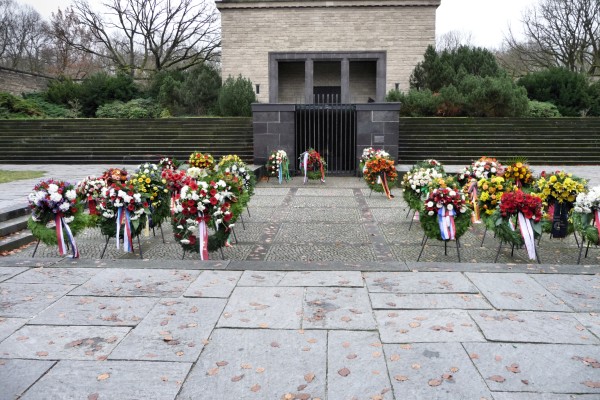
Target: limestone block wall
x=291, y=82
x=18, y=82
x=250, y=30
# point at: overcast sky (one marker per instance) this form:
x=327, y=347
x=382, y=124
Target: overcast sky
x=486, y=20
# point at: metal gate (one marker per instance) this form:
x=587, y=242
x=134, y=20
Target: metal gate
x=330, y=128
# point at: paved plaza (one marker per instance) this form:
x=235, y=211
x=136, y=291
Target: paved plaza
x=320, y=298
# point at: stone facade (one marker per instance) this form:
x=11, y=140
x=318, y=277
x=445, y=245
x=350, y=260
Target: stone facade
x=18, y=82
x=252, y=30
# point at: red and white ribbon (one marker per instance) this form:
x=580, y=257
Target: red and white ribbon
x=124, y=219
x=528, y=236
x=60, y=225
x=203, y=238
x=597, y=222
x=446, y=223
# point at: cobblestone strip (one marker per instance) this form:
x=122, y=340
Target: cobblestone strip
x=383, y=252
x=259, y=252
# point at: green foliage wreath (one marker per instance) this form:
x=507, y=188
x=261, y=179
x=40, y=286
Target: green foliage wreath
x=431, y=227
x=47, y=235
x=582, y=224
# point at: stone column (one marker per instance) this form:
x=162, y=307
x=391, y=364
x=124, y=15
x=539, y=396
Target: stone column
x=345, y=81
x=273, y=81
x=380, y=83
x=308, y=81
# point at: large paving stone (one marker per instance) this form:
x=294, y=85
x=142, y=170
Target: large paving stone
x=71, y=276
x=17, y=375
x=412, y=301
x=263, y=307
x=581, y=292
x=261, y=278
x=260, y=364
x=532, y=327
x=591, y=321
x=321, y=202
x=418, y=282
x=116, y=380
x=271, y=192
x=10, y=325
x=62, y=342
x=323, y=278
x=9, y=272
x=25, y=300
x=137, y=282
x=427, y=326
x=356, y=366
x=175, y=330
x=213, y=284
x=81, y=310
x=544, y=368
x=433, y=371
x=516, y=292
x=542, y=396
x=338, y=308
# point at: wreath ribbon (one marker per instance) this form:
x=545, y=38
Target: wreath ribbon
x=124, y=218
x=474, y=197
x=385, y=185
x=60, y=224
x=92, y=206
x=446, y=223
x=597, y=221
x=528, y=235
x=305, y=165
x=321, y=167
x=202, y=237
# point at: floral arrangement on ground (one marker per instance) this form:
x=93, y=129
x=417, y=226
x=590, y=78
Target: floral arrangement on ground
x=201, y=160
x=278, y=164
x=445, y=214
x=586, y=215
x=380, y=171
x=55, y=210
x=416, y=184
x=314, y=166
x=506, y=216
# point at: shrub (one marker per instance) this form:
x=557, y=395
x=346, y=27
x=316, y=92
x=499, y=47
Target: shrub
x=62, y=91
x=50, y=110
x=418, y=103
x=493, y=97
x=236, y=97
x=136, y=108
x=102, y=88
x=594, y=96
x=12, y=107
x=542, y=109
x=566, y=89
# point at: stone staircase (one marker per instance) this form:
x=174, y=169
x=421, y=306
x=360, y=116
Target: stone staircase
x=13, y=228
x=79, y=141
x=554, y=141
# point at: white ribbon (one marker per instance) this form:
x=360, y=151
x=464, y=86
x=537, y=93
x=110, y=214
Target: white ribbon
x=305, y=163
x=202, y=237
x=528, y=235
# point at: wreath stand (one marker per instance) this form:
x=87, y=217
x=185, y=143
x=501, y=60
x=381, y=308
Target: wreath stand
x=67, y=244
x=484, y=234
x=424, y=243
x=512, y=251
x=132, y=249
x=220, y=249
x=580, y=247
x=413, y=217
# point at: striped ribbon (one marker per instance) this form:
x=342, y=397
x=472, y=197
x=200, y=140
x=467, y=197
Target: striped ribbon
x=475, y=217
x=280, y=172
x=385, y=186
x=528, y=235
x=322, y=169
x=305, y=166
x=597, y=222
x=60, y=223
x=202, y=238
x=446, y=223
x=124, y=218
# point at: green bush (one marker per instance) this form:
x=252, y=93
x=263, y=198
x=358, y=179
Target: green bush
x=12, y=107
x=236, y=97
x=416, y=103
x=542, y=109
x=101, y=88
x=452, y=103
x=594, y=96
x=133, y=109
x=568, y=90
x=493, y=97
x=62, y=91
x=50, y=110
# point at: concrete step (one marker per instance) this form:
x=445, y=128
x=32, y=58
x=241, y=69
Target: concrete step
x=16, y=240
x=13, y=225
x=12, y=212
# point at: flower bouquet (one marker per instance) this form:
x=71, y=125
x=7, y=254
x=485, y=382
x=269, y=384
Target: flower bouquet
x=482, y=168
x=416, y=184
x=519, y=173
x=148, y=180
x=200, y=160
x=523, y=211
x=115, y=175
x=380, y=173
x=586, y=215
x=279, y=165
x=121, y=207
x=235, y=167
x=445, y=214
x=558, y=191
x=54, y=212
x=431, y=163
x=89, y=190
x=169, y=163
x=201, y=205
x=370, y=153
x=313, y=165
x=488, y=194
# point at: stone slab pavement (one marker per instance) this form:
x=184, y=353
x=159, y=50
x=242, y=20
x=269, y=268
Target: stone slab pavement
x=141, y=329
